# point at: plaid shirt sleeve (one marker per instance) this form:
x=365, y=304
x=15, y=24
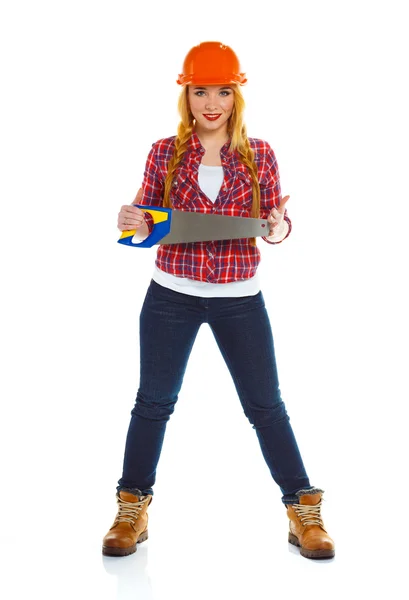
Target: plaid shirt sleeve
x=270, y=188
x=153, y=183
x=153, y=180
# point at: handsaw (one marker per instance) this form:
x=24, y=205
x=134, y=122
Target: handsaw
x=180, y=227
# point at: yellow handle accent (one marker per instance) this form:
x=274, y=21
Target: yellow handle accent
x=126, y=234
x=158, y=215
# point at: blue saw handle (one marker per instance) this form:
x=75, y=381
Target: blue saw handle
x=162, y=219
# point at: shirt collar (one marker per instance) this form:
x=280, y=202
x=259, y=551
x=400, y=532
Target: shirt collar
x=195, y=145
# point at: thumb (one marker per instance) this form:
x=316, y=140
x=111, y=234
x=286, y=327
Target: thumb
x=138, y=197
x=283, y=202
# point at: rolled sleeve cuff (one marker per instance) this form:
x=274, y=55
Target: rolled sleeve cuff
x=149, y=221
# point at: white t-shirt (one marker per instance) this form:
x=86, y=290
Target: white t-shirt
x=210, y=180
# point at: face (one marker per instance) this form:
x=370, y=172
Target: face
x=211, y=106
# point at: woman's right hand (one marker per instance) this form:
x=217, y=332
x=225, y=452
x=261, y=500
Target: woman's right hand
x=130, y=217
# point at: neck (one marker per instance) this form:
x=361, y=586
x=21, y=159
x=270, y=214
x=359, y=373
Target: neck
x=212, y=139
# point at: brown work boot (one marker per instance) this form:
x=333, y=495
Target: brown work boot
x=307, y=528
x=130, y=526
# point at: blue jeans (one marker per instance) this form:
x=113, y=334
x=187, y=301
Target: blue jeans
x=169, y=323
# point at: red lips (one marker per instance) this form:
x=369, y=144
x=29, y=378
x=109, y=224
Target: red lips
x=212, y=117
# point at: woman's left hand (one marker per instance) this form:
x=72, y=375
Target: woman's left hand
x=276, y=217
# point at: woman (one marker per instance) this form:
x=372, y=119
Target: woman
x=211, y=166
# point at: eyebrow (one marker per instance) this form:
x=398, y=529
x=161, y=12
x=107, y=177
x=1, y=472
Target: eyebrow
x=225, y=87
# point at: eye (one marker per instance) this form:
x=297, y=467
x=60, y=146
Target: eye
x=199, y=93
x=225, y=93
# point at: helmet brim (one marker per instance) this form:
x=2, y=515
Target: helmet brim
x=240, y=79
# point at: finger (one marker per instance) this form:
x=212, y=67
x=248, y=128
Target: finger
x=133, y=222
x=131, y=209
x=129, y=223
x=272, y=226
x=275, y=216
x=130, y=216
x=124, y=227
x=283, y=202
x=275, y=213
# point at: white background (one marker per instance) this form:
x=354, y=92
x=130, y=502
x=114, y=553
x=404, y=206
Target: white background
x=87, y=87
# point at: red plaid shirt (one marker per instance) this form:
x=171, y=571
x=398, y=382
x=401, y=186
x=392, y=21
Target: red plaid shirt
x=221, y=261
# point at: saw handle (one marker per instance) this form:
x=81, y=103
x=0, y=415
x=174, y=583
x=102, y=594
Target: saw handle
x=162, y=219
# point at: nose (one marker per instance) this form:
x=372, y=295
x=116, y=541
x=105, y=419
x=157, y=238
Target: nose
x=211, y=103
x=210, y=106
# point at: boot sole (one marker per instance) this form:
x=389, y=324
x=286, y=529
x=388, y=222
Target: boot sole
x=325, y=553
x=112, y=551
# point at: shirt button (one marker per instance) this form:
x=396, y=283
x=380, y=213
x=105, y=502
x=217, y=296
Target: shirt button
x=210, y=255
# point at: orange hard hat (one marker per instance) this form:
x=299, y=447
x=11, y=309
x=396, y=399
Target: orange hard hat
x=211, y=63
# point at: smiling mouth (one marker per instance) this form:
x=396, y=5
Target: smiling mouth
x=212, y=117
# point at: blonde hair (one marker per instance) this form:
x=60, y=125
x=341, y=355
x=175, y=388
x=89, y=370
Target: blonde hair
x=238, y=141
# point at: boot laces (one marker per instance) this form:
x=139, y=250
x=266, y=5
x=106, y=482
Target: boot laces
x=128, y=512
x=309, y=514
